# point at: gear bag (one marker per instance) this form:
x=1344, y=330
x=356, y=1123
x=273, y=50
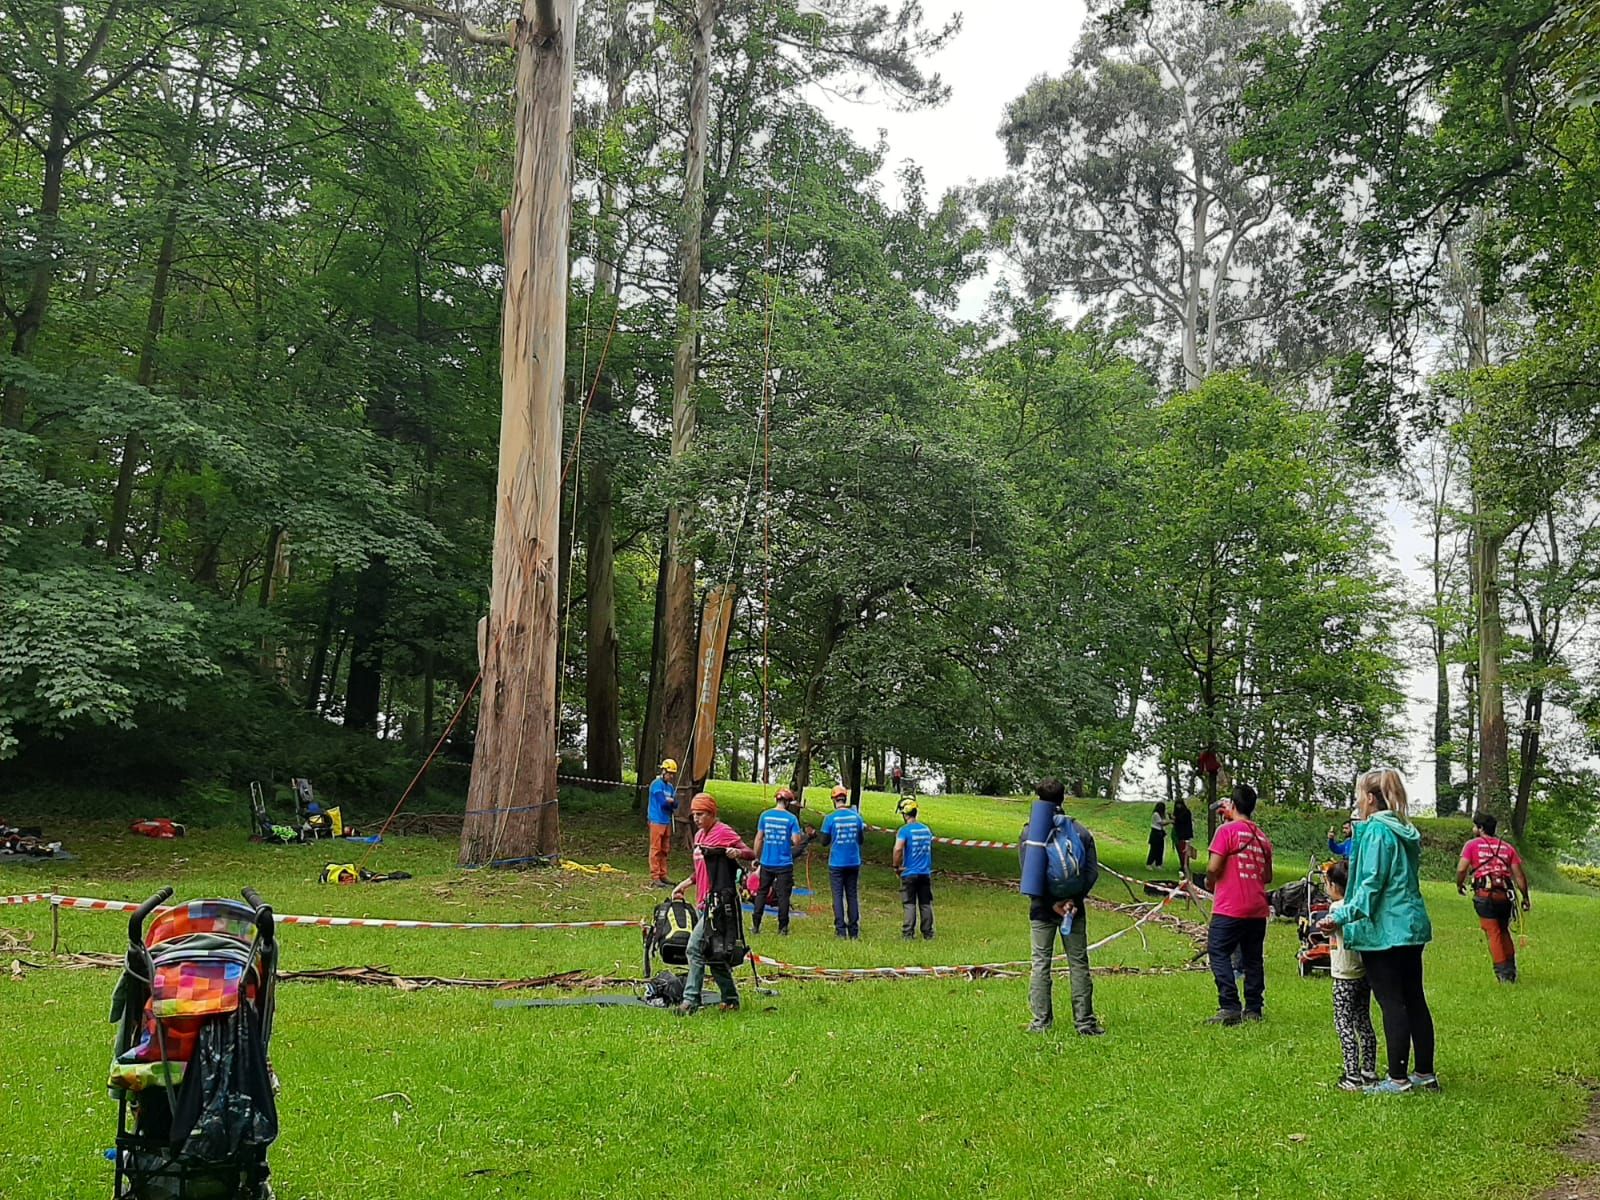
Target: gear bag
x=1070, y=873
x=725, y=943
x=669, y=930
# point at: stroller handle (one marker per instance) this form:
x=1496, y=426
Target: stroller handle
x=264, y=922
x=136, y=922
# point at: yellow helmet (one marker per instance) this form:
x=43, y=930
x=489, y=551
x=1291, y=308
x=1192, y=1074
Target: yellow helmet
x=670, y=764
x=907, y=808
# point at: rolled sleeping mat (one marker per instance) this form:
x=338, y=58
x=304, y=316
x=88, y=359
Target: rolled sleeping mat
x=1035, y=866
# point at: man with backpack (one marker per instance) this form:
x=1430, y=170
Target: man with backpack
x=1237, y=874
x=843, y=832
x=1060, y=866
x=712, y=841
x=1498, y=878
x=778, y=836
x=913, y=859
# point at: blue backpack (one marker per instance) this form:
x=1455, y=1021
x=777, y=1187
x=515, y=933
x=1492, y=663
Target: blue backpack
x=1069, y=873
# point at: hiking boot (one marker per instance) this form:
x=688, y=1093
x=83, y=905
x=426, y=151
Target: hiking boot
x=1225, y=1016
x=1389, y=1087
x=908, y=937
x=1428, y=1083
x=1094, y=1029
x=1346, y=1084
x=1254, y=1014
x=1038, y=1026
x=728, y=1006
x=782, y=932
x=687, y=1009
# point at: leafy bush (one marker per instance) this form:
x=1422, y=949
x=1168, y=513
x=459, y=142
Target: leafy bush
x=1589, y=876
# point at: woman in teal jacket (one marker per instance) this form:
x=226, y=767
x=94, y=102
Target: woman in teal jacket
x=1383, y=916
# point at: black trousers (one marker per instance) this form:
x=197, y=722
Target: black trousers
x=776, y=888
x=916, y=894
x=1246, y=935
x=1396, y=979
x=844, y=881
x=1158, y=849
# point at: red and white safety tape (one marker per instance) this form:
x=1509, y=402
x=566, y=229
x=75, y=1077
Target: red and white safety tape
x=944, y=841
x=91, y=904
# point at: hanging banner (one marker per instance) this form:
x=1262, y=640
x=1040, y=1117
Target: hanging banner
x=716, y=624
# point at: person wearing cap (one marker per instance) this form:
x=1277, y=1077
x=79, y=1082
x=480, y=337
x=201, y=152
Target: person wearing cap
x=913, y=860
x=1495, y=870
x=663, y=803
x=778, y=836
x=1237, y=874
x=711, y=837
x=843, y=832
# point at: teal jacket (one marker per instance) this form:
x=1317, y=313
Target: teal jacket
x=1382, y=908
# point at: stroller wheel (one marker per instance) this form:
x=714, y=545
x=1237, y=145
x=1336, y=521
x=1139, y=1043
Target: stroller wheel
x=1305, y=969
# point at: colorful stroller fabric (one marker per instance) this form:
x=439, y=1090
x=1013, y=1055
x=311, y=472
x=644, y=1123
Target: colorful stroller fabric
x=193, y=1012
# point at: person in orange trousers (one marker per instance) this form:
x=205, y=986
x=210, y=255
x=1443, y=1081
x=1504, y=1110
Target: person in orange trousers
x=1495, y=870
x=663, y=802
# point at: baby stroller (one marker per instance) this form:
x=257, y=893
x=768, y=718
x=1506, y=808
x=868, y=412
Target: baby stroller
x=193, y=1015
x=1316, y=949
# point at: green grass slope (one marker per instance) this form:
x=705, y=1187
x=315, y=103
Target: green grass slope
x=887, y=1087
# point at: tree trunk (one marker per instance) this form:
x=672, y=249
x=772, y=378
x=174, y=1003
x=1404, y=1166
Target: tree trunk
x=828, y=639
x=648, y=753
x=855, y=773
x=679, y=689
x=1528, y=764
x=31, y=319
x=319, y=652
x=1469, y=790
x=1493, y=768
x=514, y=759
x=363, y=693
x=1444, y=788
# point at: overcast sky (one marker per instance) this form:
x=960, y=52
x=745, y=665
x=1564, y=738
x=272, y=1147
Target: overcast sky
x=1004, y=45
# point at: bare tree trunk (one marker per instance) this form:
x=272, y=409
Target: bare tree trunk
x=363, y=693
x=679, y=689
x=31, y=319
x=828, y=638
x=1493, y=767
x=648, y=753
x=319, y=652
x=511, y=800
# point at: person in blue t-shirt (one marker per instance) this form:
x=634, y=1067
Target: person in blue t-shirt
x=842, y=832
x=778, y=836
x=913, y=859
x=663, y=803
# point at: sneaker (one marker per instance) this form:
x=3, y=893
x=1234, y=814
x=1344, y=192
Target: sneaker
x=661, y=883
x=1038, y=1026
x=687, y=1009
x=1092, y=1030
x=1254, y=1014
x=908, y=937
x=1225, y=1016
x=728, y=1006
x=855, y=937
x=927, y=937
x=1346, y=1084
x=1389, y=1087
x=782, y=932
x=1428, y=1083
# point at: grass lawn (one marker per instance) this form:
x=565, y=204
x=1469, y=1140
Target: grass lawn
x=912, y=1087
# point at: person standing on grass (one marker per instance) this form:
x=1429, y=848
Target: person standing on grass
x=711, y=837
x=1158, y=836
x=1237, y=874
x=1498, y=878
x=1183, y=836
x=1068, y=919
x=1352, y=1001
x=1382, y=915
x=913, y=861
x=778, y=836
x=663, y=803
x=842, y=833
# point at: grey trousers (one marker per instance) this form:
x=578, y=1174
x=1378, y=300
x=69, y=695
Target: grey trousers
x=1076, y=944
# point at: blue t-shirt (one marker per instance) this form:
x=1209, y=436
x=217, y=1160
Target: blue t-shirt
x=778, y=825
x=662, y=802
x=918, y=858
x=845, y=827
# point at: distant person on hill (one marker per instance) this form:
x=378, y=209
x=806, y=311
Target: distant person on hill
x=1239, y=869
x=899, y=777
x=1067, y=918
x=778, y=836
x=913, y=860
x=1382, y=915
x=1352, y=1001
x=1498, y=878
x=1183, y=836
x=663, y=803
x=1158, y=836
x=842, y=832
x=712, y=839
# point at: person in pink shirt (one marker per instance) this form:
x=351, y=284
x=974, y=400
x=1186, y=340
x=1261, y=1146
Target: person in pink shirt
x=712, y=839
x=1494, y=868
x=1238, y=872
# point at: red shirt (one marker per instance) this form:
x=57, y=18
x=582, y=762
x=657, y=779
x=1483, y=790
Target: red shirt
x=1246, y=865
x=1490, y=858
x=718, y=835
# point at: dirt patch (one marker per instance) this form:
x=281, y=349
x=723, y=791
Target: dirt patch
x=1583, y=1148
